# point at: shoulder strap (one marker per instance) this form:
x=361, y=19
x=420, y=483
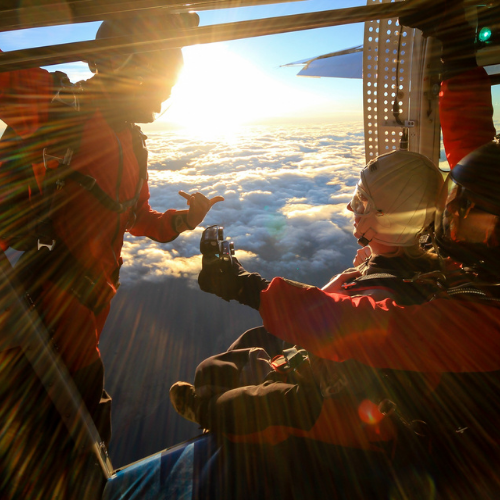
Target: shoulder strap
x=90, y=184
x=405, y=291
x=140, y=150
x=68, y=147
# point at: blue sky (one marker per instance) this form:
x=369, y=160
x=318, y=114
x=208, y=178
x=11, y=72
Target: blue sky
x=271, y=93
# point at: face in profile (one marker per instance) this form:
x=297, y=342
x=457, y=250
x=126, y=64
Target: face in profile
x=359, y=206
x=141, y=83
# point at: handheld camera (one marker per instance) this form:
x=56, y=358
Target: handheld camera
x=212, y=243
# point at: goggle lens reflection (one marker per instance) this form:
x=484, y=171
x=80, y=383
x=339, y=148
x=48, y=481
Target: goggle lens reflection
x=359, y=202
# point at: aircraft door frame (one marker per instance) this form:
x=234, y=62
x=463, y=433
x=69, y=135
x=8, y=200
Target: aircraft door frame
x=400, y=89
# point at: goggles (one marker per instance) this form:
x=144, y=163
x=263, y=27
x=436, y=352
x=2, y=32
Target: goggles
x=361, y=203
x=460, y=220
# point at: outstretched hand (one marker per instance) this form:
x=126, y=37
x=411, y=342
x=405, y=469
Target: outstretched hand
x=335, y=284
x=199, y=206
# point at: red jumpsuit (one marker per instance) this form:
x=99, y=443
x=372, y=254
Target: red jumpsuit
x=35, y=452
x=92, y=233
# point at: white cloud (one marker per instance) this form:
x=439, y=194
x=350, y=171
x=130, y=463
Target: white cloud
x=285, y=194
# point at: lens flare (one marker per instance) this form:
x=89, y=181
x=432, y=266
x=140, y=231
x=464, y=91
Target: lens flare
x=368, y=412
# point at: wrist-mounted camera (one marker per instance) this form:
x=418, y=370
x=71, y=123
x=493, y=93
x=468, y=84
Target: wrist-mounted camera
x=213, y=243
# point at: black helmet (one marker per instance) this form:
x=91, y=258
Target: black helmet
x=468, y=213
x=143, y=27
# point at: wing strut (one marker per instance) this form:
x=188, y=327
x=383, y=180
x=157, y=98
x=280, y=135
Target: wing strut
x=57, y=12
x=82, y=51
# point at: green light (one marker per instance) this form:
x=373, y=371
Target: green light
x=484, y=34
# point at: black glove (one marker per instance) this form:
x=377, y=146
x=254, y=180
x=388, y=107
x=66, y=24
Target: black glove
x=445, y=20
x=231, y=281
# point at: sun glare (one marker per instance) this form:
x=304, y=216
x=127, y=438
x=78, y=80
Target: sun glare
x=218, y=91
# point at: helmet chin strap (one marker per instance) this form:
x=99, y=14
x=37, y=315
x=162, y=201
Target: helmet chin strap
x=366, y=237
x=363, y=241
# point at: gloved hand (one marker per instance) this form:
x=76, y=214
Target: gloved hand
x=231, y=282
x=445, y=20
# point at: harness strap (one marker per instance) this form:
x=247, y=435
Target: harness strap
x=55, y=177
x=403, y=290
x=90, y=185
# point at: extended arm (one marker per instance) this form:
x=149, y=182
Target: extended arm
x=439, y=336
x=164, y=227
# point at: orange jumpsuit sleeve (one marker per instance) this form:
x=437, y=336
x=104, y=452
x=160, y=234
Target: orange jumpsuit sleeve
x=466, y=113
x=155, y=225
x=25, y=96
x=439, y=336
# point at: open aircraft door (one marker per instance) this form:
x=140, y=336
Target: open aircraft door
x=400, y=72
x=400, y=89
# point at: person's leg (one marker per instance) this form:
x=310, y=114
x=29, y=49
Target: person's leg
x=259, y=337
x=218, y=374
x=90, y=383
x=232, y=369
x=250, y=409
x=36, y=451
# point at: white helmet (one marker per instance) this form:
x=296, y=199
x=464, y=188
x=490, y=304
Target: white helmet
x=395, y=198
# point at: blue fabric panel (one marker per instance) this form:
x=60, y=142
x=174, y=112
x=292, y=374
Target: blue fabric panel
x=140, y=480
x=179, y=482
x=170, y=474
x=201, y=469
x=186, y=473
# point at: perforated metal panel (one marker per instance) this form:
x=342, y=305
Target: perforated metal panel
x=394, y=79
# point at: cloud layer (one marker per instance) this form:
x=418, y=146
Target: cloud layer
x=285, y=194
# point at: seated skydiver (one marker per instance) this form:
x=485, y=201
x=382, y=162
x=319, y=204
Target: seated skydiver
x=454, y=339
x=251, y=398
x=390, y=244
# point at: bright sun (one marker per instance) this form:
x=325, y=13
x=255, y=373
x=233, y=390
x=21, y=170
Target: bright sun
x=219, y=91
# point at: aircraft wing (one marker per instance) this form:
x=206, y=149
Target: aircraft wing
x=341, y=64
